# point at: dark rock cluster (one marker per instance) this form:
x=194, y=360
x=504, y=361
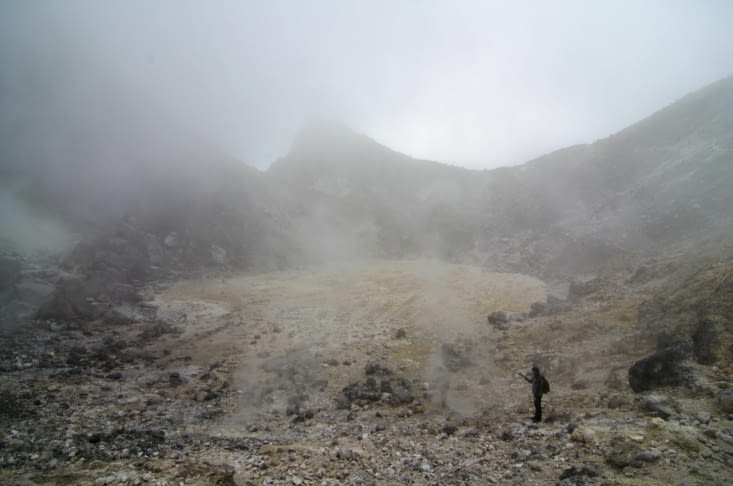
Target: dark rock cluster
x=393, y=390
x=663, y=368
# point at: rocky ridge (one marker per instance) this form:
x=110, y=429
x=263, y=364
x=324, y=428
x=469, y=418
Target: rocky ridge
x=136, y=359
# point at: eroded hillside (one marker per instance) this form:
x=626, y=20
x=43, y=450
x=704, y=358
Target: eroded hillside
x=355, y=316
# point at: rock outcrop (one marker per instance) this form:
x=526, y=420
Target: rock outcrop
x=662, y=368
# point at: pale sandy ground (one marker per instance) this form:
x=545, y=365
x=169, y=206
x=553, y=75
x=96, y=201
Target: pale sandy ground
x=350, y=313
x=306, y=334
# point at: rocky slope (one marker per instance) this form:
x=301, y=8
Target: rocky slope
x=286, y=379
x=165, y=348
x=661, y=183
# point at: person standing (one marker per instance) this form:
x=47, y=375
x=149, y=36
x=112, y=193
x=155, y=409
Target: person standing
x=540, y=386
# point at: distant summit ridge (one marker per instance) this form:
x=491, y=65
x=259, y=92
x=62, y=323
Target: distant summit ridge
x=335, y=142
x=661, y=184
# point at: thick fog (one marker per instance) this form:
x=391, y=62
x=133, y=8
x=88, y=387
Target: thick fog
x=289, y=242
x=476, y=84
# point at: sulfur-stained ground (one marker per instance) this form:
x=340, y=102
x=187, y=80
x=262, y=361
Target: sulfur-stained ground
x=246, y=387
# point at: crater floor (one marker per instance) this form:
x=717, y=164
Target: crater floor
x=351, y=313
x=240, y=380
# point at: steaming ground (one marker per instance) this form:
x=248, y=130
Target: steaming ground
x=314, y=330
x=201, y=393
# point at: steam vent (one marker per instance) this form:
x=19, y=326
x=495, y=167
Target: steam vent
x=366, y=243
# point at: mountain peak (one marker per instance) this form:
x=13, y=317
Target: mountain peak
x=319, y=138
x=332, y=147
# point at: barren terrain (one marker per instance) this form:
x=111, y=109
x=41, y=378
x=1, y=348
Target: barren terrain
x=264, y=379
x=350, y=313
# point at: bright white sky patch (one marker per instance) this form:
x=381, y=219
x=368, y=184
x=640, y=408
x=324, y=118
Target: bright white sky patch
x=473, y=83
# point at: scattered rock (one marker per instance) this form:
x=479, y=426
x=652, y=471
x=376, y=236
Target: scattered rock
x=661, y=405
x=623, y=454
x=538, y=309
x=499, y=320
x=579, y=289
x=376, y=369
x=366, y=390
x=401, y=395
x=121, y=315
x=455, y=357
x=724, y=400
x=552, y=305
x=663, y=368
x=514, y=432
x=575, y=476
x=449, y=429
x=585, y=435
x=706, y=341
x=617, y=401
x=649, y=456
x=156, y=329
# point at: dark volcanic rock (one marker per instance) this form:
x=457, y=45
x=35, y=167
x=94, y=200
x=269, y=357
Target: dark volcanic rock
x=14, y=406
x=724, y=400
x=663, y=368
x=363, y=390
x=454, y=357
x=705, y=339
x=538, y=309
x=552, y=305
x=401, y=394
x=449, y=429
x=576, y=476
x=376, y=369
x=499, y=320
x=660, y=405
x=623, y=454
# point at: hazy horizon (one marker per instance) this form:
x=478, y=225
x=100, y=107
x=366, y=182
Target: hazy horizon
x=475, y=84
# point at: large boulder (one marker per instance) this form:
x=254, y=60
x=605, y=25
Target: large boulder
x=552, y=305
x=367, y=391
x=712, y=340
x=499, y=320
x=704, y=341
x=663, y=368
x=724, y=400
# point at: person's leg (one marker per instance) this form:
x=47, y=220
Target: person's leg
x=537, y=409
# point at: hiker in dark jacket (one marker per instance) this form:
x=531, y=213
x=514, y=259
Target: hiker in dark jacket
x=538, y=388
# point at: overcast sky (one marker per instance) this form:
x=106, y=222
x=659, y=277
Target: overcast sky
x=479, y=84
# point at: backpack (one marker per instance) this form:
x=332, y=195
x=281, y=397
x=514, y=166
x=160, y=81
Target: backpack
x=545, y=385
